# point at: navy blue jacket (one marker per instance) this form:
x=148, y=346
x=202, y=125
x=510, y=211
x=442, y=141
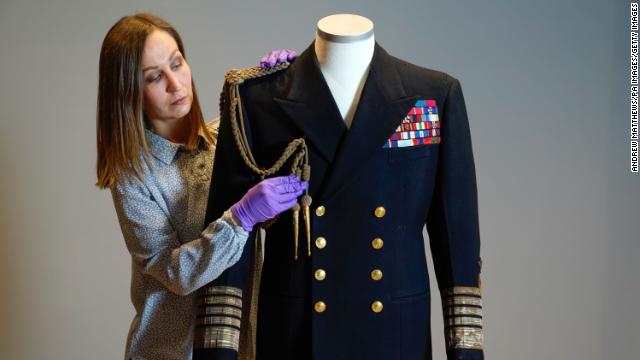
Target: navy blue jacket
x=364, y=292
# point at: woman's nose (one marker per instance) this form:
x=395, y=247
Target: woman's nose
x=173, y=83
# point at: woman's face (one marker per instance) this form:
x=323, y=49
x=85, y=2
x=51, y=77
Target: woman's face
x=167, y=79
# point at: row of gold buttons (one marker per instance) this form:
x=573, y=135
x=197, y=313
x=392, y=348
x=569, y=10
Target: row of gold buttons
x=376, y=274
x=320, y=274
x=320, y=306
x=379, y=212
x=376, y=244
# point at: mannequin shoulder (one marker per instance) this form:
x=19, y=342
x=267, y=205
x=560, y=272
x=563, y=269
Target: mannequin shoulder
x=259, y=83
x=428, y=83
x=419, y=75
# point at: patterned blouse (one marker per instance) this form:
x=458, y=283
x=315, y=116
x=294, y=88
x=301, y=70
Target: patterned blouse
x=161, y=218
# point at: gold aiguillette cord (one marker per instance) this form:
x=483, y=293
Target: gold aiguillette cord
x=296, y=148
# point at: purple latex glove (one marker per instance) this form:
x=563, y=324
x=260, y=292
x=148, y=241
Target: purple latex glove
x=267, y=199
x=276, y=57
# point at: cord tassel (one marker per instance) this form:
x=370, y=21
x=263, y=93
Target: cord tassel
x=306, y=203
x=296, y=216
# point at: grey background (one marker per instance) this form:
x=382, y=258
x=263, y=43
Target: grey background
x=546, y=85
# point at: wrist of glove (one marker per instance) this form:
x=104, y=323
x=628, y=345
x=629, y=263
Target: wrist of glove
x=230, y=218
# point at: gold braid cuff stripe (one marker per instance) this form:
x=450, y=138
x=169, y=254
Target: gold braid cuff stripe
x=223, y=290
x=464, y=338
x=219, y=320
x=221, y=337
x=223, y=310
x=462, y=310
x=463, y=321
x=222, y=300
x=462, y=300
x=461, y=290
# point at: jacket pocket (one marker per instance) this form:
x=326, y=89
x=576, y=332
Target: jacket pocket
x=414, y=334
x=409, y=152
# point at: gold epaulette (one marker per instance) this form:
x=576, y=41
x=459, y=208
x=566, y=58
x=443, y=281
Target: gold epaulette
x=239, y=75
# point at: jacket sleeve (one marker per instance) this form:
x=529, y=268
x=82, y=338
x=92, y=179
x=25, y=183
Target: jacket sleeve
x=452, y=224
x=224, y=301
x=154, y=245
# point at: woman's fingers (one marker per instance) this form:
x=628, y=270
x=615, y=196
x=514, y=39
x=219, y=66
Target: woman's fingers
x=282, y=179
x=276, y=57
x=286, y=197
x=291, y=55
x=273, y=58
x=286, y=184
x=291, y=187
x=282, y=56
x=288, y=204
x=270, y=59
x=263, y=61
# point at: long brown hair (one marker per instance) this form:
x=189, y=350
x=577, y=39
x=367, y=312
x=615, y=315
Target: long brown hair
x=120, y=120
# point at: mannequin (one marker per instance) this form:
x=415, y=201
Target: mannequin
x=366, y=280
x=344, y=47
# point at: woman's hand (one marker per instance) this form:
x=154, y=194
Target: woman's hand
x=267, y=199
x=276, y=57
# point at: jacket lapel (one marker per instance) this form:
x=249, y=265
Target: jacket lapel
x=382, y=107
x=309, y=104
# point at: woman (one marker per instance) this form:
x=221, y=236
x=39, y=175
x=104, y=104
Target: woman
x=155, y=153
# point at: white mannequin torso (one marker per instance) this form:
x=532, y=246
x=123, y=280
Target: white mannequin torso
x=344, y=48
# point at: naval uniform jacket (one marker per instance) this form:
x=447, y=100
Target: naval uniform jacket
x=364, y=291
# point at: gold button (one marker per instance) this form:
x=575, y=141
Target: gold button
x=377, y=243
x=320, y=274
x=376, y=306
x=380, y=211
x=321, y=242
x=376, y=274
x=320, y=307
x=320, y=210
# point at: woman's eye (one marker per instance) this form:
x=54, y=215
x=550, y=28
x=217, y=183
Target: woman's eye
x=154, y=79
x=177, y=65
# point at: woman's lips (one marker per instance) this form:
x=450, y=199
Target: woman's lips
x=180, y=101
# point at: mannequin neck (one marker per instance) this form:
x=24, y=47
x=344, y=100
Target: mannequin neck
x=344, y=62
x=344, y=48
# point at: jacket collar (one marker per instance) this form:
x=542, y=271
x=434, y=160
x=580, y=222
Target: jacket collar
x=309, y=103
x=165, y=150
